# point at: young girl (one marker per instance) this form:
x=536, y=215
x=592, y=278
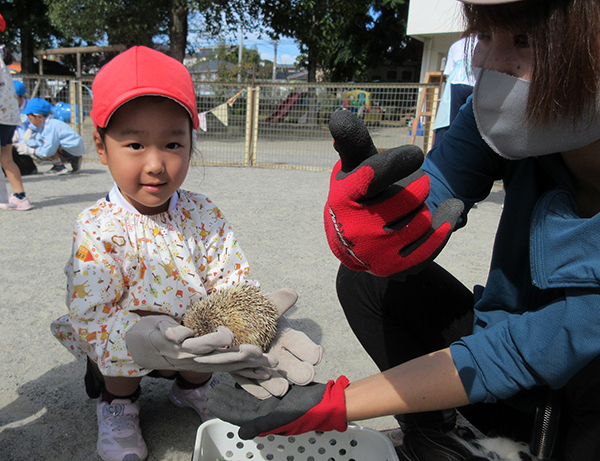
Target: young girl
x=534, y=124
x=146, y=252
x=10, y=117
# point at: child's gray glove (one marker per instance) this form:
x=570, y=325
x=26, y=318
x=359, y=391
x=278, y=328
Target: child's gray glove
x=296, y=353
x=159, y=342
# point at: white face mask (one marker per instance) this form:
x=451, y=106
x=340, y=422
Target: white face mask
x=499, y=104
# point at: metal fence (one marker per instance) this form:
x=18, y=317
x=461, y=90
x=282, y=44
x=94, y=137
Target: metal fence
x=270, y=124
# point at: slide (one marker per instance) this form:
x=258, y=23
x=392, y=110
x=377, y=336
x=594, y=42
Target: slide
x=284, y=108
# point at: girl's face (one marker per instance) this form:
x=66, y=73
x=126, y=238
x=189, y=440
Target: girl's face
x=147, y=147
x=505, y=52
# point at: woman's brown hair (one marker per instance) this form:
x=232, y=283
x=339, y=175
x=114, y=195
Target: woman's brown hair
x=564, y=36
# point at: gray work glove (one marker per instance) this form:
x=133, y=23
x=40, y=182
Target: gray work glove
x=159, y=342
x=296, y=353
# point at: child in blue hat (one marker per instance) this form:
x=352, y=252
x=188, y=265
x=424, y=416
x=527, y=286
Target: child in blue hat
x=52, y=139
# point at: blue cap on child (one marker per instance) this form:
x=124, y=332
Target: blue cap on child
x=38, y=106
x=20, y=88
x=141, y=71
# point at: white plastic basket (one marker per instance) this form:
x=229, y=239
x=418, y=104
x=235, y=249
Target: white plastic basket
x=217, y=440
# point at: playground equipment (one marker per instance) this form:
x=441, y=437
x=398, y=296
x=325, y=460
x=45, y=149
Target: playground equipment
x=359, y=102
x=62, y=111
x=292, y=100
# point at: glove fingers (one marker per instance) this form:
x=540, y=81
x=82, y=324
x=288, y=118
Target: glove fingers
x=251, y=387
x=201, y=344
x=449, y=211
x=252, y=351
x=351, y=139
x=299, y=345
x=283, y=299
x=232, y=361
x=294, y=370
x=398, y=202
x=443, y=223
x=392, y=166
x=175, y=332
x=230, y=404
x=275, y=386
x=253, y=373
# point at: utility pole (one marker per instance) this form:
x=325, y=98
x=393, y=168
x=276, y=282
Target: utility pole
x=240, y=51
x=275, y=60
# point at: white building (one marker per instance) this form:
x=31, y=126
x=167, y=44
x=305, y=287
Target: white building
x=438, y=24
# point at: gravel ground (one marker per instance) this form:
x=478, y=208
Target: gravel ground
x=276, y=214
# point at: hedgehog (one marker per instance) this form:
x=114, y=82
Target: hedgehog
x=250, y=315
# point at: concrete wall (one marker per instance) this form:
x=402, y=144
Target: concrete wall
x=438, y=24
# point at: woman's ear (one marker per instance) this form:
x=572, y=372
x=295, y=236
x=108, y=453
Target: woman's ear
x=100, y=148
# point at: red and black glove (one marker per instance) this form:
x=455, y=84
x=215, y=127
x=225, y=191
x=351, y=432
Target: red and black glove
x=376, y=219
x=314, y=407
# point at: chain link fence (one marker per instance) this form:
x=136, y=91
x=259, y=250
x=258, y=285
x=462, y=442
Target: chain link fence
x=270, y=124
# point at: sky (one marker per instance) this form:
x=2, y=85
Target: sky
x=287, y=50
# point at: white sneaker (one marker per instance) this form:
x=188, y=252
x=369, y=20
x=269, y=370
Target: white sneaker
x=19, y=204
x=119, y=433
x=193, y=398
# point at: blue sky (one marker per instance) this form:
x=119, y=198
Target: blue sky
x=287, y=50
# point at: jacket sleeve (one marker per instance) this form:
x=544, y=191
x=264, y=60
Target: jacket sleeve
x=50, y=142
x=516, y=354
x=462, y=166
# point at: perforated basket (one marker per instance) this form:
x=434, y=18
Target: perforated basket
x=217, y=440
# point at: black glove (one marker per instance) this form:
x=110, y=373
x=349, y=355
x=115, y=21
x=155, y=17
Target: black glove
x=314, y=407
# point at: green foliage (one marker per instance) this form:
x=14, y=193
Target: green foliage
x=28, y=28
x=126, y=22
x=343, y=38
x=250, y=67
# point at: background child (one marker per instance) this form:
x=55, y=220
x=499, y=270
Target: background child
x=147, y=251
x=21, y=91
x=9, y=119
x=51, y=139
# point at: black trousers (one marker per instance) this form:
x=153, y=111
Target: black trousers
x=396, y=321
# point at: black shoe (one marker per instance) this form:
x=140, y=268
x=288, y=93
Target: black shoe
x=76, y=164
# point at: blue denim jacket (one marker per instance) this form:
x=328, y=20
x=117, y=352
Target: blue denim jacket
x=537, y=320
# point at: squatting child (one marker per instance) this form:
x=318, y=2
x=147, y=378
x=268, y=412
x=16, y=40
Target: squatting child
x=146, y=252
x=49, y=139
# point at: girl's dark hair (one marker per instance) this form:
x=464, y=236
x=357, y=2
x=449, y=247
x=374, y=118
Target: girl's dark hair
x=564, y=36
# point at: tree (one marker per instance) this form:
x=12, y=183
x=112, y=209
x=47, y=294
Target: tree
x=342, y=38
x=138, y=23
x=28, y=29
x=119, y=22
x=388, y=41
x=312, y=23
x=178, y=29
x=251, y=65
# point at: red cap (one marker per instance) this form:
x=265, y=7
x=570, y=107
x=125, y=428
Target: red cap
x=141, y=71
x=2, y=24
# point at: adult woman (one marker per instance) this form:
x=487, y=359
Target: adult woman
x=535, y=323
